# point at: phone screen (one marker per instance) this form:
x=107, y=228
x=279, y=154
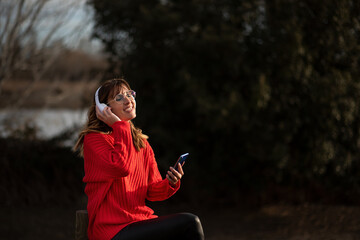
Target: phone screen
x=181, y=160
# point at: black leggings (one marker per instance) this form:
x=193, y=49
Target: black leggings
x=176, y=226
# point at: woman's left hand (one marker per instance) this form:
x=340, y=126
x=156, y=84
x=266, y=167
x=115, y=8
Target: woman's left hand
x=174, y=176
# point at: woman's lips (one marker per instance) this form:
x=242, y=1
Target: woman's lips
x=128, y=109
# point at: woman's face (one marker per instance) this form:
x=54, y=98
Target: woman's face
x=123, y=105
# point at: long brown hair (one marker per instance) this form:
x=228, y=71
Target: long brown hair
x=109, y=88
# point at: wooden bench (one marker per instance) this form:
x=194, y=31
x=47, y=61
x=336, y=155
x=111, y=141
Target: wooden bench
x=81, y=225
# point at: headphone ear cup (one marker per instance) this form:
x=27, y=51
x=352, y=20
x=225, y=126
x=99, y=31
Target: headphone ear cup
x=101, y=106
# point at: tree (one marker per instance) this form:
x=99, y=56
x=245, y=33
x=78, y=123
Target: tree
x=32, y=35
x=259, y=91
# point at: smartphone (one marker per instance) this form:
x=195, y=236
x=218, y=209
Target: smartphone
x=181, y=160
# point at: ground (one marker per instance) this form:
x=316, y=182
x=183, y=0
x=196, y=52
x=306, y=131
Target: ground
x=305, y=222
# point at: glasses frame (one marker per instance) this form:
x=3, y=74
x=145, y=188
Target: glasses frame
x=128, y=94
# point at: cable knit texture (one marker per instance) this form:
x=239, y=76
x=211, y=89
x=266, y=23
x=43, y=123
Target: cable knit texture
x=118, y=180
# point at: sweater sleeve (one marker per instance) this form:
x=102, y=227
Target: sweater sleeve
x=158, y=189
x=105, y=159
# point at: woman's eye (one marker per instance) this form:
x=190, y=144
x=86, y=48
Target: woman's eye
x=119, y=97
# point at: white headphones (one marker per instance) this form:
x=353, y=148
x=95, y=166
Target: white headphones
x=101, y=106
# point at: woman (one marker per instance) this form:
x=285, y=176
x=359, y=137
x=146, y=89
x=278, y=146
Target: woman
x=121, y=172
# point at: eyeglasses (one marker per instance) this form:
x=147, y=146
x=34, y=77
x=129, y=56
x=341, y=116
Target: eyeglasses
x=120, y=97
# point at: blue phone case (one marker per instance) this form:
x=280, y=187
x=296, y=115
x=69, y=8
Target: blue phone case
x=181, y=160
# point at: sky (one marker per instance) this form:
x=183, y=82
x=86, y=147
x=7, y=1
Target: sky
x=76, y=27
x=69, y=22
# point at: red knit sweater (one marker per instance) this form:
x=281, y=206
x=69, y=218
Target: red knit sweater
x=118, y=180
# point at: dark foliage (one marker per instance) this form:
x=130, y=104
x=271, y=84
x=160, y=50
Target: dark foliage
x=261, y=93
x=35, y=172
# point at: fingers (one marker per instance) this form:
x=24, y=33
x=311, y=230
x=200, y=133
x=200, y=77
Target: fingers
x=177, y=173
x=108, y=112
x=180, y=169
x=102, y=115
x=107, y=116
x=174, y=176
x=172, y=181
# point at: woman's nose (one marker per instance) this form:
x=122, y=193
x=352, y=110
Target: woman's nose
x=126, y=99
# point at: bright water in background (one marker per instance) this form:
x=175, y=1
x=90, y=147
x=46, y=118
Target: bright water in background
x=48, y=122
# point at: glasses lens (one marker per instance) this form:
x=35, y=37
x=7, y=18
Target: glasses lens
x=128, y=94
x=119, y=97
x=132, y=94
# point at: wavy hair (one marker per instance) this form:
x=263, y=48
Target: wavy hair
x=109, y=88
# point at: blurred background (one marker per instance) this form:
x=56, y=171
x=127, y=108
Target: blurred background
x=263, y=94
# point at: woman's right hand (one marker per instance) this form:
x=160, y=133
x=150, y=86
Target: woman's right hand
x=107, y=116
